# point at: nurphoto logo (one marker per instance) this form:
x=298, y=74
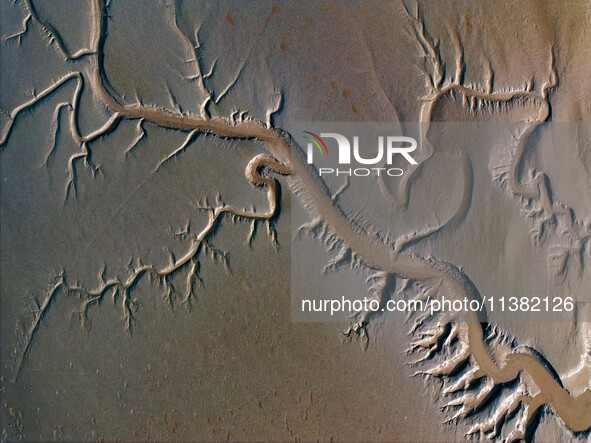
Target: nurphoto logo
x=394, y=145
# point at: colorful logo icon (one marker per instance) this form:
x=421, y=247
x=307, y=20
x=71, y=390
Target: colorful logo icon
x=317, y=141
